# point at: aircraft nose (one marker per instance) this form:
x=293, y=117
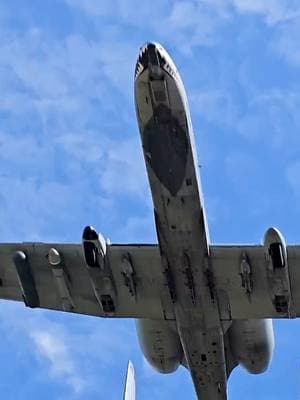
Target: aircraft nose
x=150, y=57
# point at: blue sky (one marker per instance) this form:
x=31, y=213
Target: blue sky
x=70, y=155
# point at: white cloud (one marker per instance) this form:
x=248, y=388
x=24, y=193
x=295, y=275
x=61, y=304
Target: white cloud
x=48, y=339
x=132, y=11
x=118, y=164
x=272, y=115
x=55, y=350
x=138, y=229
x=193, y=24
x=76, y=352
x=287, y=43
x=292, y=174
x=187, y=24
x=215, y=106
x=124, y=169
x=64, y=74
x=67, y=122
x=284, y=16
x=272, y=10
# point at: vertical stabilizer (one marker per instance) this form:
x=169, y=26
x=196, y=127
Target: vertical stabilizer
x=129, y=391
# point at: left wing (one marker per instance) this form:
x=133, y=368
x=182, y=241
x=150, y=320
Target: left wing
x=56, y=276
x=253, y=282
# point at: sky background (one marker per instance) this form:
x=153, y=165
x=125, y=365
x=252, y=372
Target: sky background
x=70, y=156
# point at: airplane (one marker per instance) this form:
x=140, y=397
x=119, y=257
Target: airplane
x=206, y=307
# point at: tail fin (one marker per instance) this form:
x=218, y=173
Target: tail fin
x=129, y=390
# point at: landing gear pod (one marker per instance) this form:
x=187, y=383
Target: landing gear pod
x=61, y=278
x=277, y=271
x=26, y=280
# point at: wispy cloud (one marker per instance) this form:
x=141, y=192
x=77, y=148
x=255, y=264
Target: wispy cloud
x=62, y=129
x=56, y=351
x=272, y=115
x=191, y=23
x=70, y=152
x=286, y=43
x=49, y=340
x=292, y=175
x=68, y=352
x=132, y=11
x=188, y=24
x=208, y=104
x=273, y=11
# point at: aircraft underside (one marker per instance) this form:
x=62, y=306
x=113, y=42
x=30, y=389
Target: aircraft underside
x=206, y=307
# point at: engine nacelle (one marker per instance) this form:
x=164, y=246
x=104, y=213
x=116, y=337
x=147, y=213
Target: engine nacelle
x=102, y=280
x=275, y=246
x=94, y=247
x=252, y=343
x=277, y=271
x=160, y=344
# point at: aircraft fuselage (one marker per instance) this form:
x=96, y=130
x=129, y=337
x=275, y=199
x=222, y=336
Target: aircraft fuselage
x=169, y=152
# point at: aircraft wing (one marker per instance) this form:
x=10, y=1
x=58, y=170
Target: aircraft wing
x=249, y=285
x=26, y=273
x=242, y=276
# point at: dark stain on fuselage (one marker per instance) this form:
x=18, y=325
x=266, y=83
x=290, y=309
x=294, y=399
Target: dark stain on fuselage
x=166, y=148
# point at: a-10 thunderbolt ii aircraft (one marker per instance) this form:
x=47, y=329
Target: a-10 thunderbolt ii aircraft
x=206, y=307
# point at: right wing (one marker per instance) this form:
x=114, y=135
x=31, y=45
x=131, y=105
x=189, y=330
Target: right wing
x=68, y=287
